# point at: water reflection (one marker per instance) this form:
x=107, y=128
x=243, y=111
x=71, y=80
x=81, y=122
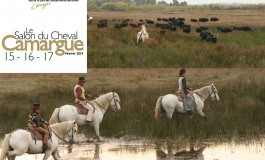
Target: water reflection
x=96, y=154
x=173, y=152
x=116, y=149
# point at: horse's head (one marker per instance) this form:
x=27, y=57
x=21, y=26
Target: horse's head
x=214, y=93
x=115, y=102
x=72, y=131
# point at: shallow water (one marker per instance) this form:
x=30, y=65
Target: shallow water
x=121, y=149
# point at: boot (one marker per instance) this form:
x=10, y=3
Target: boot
x=45, y=146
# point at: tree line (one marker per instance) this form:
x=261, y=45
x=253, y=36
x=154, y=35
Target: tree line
x=138, y=2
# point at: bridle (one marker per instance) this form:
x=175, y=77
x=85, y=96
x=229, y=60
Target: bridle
x=72, y=138
x=115, y=105
x=113, y=97
x=213, y=92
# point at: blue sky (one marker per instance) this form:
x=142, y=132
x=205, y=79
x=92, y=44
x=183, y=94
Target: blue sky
x=218, y=1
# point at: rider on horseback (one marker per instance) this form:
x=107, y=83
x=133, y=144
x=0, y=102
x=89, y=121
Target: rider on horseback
x=80, y=98
x=188, y=100
x=143, y=27
x=35, y=123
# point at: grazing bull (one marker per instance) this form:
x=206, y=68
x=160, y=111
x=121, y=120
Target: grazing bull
x=186, y=28
x=244, y=28
x=209, y=37
x=134, y=25
x=181, y=19
x=103, y=21
x=121, y=25
x=193, y=20
x=102, y=25
x=214, y=19
x=148, y=21
x=165, y=19
x=159, y=19
x=224, y=29
x=203, y=19
x=200, y=29
x=171, y=19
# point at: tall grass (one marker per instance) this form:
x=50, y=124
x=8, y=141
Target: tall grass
x=111, y=47
x=241, y=111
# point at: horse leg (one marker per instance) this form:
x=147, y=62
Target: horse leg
x=15, y=153
x=201, y=114
x=47, y=154
x=11, y=157
x=96, y=127
x=56, y=155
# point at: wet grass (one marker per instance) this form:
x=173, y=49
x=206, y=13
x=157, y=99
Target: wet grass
x=241, y=111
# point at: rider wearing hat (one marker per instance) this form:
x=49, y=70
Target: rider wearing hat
x=188, y=100
x=35, y=123
x=80, y=98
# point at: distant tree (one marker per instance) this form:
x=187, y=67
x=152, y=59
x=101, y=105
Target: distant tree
x=145, y=1
x=162, y=3
x=184, y=3
x=175, y=2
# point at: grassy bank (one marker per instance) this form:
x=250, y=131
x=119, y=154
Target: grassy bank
x=111, y=47
x=240, y=112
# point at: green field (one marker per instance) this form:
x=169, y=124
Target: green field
x=241, y=111
x=117, y=48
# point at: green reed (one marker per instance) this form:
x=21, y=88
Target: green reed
x=241, y=111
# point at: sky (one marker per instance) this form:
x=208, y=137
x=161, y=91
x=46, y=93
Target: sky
x=218, y=1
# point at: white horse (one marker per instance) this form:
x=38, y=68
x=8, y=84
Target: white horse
x=142, y=35
x=101, y=104
x=20, y=141
x=169, y=103
x=90, y=19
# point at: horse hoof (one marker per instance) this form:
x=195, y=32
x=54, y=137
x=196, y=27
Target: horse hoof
x=100, y=139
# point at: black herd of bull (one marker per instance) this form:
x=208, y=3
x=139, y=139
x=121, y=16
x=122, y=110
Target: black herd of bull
x=171, y=24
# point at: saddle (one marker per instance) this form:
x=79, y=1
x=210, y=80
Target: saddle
x=36, y=135
x=179, y=94
x=81, y=109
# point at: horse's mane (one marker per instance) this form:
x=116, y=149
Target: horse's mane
x=61, y=129
x=202, y=91
x=101, y=100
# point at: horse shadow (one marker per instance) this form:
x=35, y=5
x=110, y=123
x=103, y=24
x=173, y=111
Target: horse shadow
x=172, y=154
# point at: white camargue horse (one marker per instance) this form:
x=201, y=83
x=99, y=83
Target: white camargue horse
x=20, y=141
x=101, y=104
x=142, y=35
x=170, y=102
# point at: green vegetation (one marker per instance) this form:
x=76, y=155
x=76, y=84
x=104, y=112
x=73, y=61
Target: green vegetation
x=241, y=111
x=111, y=47
x=144, y=5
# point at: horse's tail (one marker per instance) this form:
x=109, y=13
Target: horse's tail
x=55, y=116
x=158, y=107
x=5, y=146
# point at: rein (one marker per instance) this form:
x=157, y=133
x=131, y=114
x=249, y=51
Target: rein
x=66, y=132
x=109, y=103
x=208, y=95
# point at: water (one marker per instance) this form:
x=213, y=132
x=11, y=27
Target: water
x=121, y=149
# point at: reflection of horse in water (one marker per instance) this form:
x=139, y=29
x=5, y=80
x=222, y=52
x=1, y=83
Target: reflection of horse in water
x=192, y=154
x=96, y=154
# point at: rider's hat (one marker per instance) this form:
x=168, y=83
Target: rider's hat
x=182, y=71
x=36, y=106
x=82, y=79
